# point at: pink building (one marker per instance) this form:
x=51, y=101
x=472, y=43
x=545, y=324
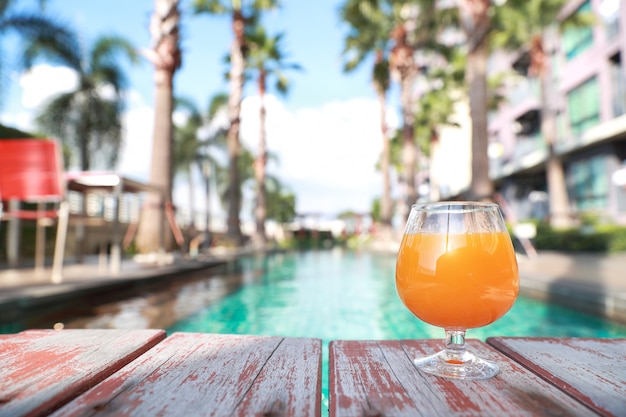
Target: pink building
x=588, y=76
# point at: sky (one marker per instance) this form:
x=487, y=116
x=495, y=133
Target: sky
x=325, y=132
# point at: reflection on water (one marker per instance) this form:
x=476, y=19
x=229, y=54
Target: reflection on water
x=156, y=306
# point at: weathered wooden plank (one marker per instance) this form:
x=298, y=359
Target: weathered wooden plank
x=40, y=370
x=212, y=375
x=378, y=378
x=591, y=370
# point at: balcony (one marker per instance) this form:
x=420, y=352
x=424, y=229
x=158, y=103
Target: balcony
x=529, y=152
x=525, y=90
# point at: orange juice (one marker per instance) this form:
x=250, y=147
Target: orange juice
x=457, y=281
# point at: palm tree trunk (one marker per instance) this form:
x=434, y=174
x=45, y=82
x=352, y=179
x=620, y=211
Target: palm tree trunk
x=403, y=62
x=166, y=58
x=260, y=211
x=192, y=198
x=206, y=173
x=481, y=187
x=151, y=227
x=476, y=24
x=237, y=66
x=409, y=148
x=84, y=136
x=555, y=175
x=385, y=201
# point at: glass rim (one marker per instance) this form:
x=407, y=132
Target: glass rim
x=456, y=206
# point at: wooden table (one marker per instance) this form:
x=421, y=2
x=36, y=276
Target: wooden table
x=145, y=373
x=591, y=370
x=538, y=377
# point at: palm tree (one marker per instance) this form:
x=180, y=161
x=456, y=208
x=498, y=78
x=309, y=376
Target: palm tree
x=266, y=59
x=437, y=107
x=281, y=204
x=187, y=146
x=190, y=150
x=421, y=23
x=165, y=55
x=211, y=167
x=35, y=28
x=436, y=110
x=475, y=20
x=245, y=172
x=369, y=28
x=523, y=24
x=242, y=13
x=89, y=119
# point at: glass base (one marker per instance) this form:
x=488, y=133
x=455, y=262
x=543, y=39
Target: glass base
x=461, y=365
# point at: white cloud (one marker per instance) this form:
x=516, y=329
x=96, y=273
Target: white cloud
x=327, y=155
x=44, y=81
x=36, y=86
x=22, y=120
x=134, y=161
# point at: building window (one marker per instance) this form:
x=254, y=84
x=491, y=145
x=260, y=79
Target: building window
x=584, y=106
x=578, y=39
x=590, y=183
x=618, y=85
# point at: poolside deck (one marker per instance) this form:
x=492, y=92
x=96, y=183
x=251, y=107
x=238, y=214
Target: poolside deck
x=29, y=292
x=142, y=372
x=594, y=283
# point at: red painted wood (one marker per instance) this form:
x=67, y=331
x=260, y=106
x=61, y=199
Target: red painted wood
x=40, y=370
x=192, y=374
x=378, y=378
x=591, y=370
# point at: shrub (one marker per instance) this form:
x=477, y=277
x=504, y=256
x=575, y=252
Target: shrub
x=588, y=238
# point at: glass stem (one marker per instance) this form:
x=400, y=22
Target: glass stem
x=455, y=346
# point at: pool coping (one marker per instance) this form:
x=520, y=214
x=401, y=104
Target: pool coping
x=39, y=298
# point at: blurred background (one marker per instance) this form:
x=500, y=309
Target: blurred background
x=262, y=119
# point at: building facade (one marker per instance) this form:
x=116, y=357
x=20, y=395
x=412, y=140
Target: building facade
x=588, y=98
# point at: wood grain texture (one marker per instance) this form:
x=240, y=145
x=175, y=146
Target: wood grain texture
x=192, y=374
x=40, y=370
x=591, y=370
x=378, y=378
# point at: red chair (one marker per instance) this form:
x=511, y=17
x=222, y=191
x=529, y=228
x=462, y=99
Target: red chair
x=31, y=171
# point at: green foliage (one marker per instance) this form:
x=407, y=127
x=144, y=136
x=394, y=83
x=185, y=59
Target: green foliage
x=86, y=120
x=375, y=210
x=589, y=238
x=517, y=21
x=310, y=239
x=224, y=7
x=39, y=32
x=436, y=107
x=266, y=58
x=7, y=132
x=281, y=205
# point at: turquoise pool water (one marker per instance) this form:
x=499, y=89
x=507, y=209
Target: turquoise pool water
x=338, y=294
x=350, y=295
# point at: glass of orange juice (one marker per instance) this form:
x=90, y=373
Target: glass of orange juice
x=456, y=269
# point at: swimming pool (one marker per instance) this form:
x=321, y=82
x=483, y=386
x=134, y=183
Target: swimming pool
x=337, y=294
